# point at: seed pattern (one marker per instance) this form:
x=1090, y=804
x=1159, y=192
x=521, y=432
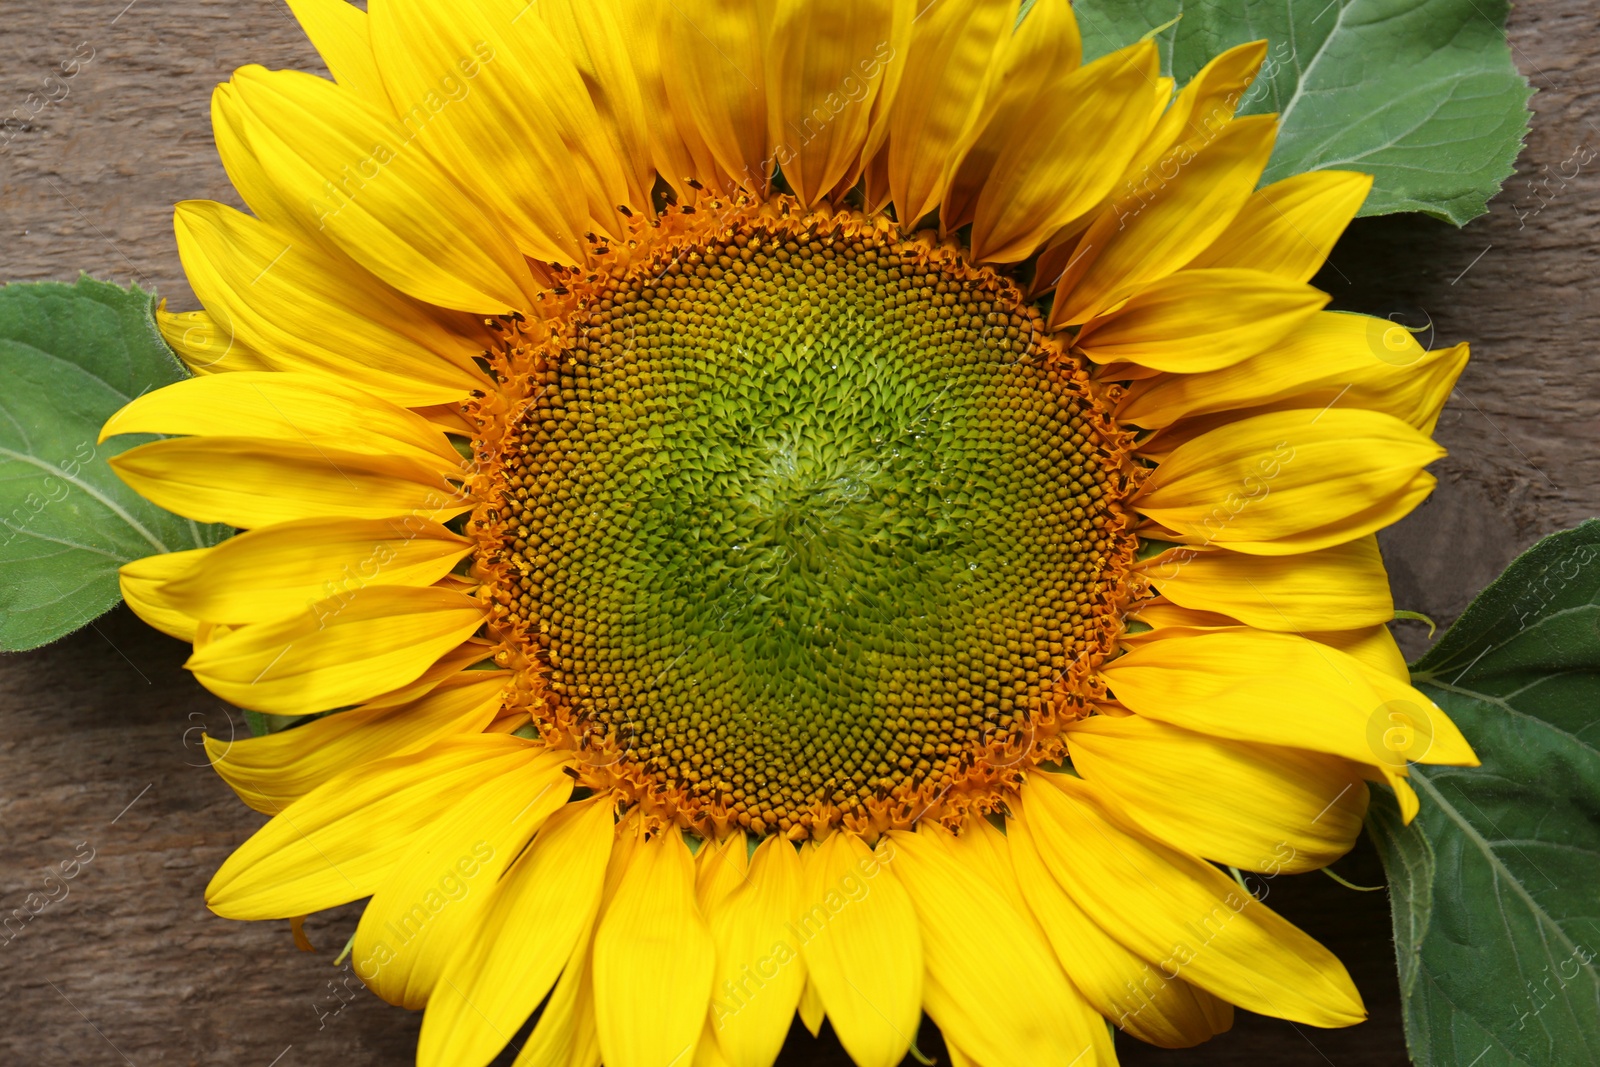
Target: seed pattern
x=799, y=521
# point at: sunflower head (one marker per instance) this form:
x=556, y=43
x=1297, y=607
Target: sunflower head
x=796, y=522
x=814, y=506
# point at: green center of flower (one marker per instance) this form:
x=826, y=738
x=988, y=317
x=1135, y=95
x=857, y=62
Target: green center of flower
x=805, y=525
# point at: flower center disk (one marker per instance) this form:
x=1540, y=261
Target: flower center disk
x=808, y=526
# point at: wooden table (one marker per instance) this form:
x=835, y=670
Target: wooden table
x=99, y=745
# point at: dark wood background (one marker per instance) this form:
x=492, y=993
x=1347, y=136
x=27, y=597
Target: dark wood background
x=99, y=744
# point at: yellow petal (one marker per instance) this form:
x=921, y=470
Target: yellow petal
x=1066, y=153
x=707, y=1053
x=1257, y=807
x=439, y=890
x=278, y=570
x=293, y=407
x=251, y=481
x=1202, y=109
x=304, y=306
x=1152, y=231
x=1407, y=799
x=564, y=1034
x=1333, y=359
x=720, y=868
x=339, y=653
x=983, y=849
x=447, y=417
x=1156, y=1008
x=959, y=1058
x=1373, y=645
x=1290, y=226
x=759, y=974
x=559, y=1038
x=717, y=80
x=338, y=31
x=251, y=172
x=205, y=345
x=1184, y=1016
x=1059, y=253
x=811, y=1011
x=560, y=87
x=653, y=960
x=1291, y=481
x=676, y=147
x=272, y=771
x=1181, y=913
x=513, y=955
x=1313, y=697
x=955, y=54
x=1045, y=50
x=1163, y=615
x=972, y=933
x=144, y=587
x=596, y=40
x=340, y=170
x=1337, y=588
x=338, y=842
x=469, y=653
x=585, y=1035
x=488, y=92
x=875, y=192
x=1200, y=320
x=825, y=65
x=858, y=934
x=873, y=164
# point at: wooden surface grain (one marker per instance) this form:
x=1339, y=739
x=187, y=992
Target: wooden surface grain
x=100, y=763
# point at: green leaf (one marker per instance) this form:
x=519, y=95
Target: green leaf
x=1421, y=94
x=71, y=355
x=1496, y=884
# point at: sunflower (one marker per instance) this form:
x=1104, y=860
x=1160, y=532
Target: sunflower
x=818, y=506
